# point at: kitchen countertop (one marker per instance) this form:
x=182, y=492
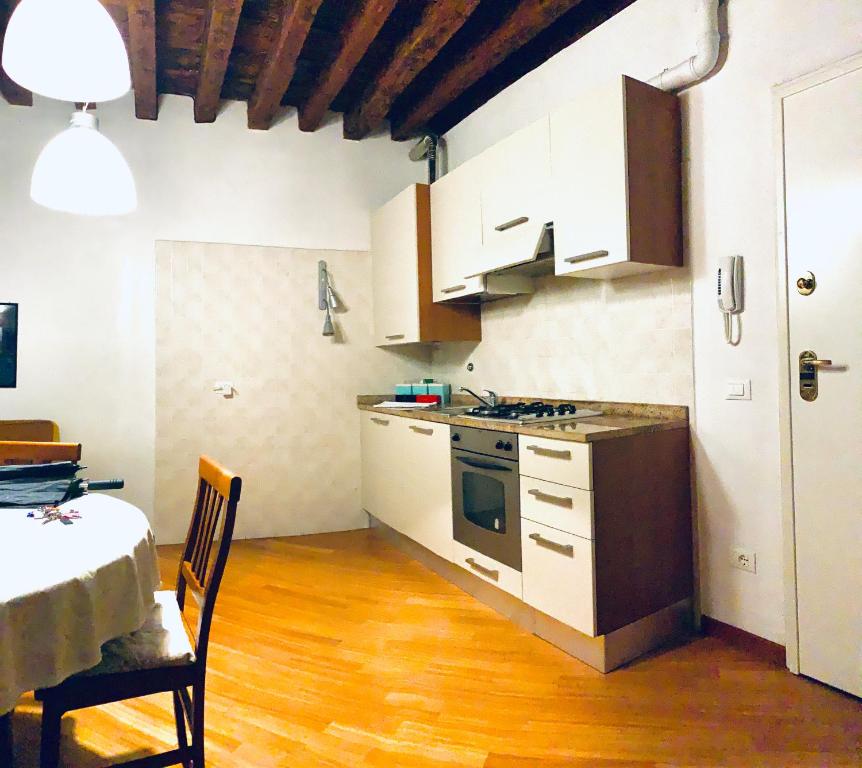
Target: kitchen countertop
x=617, y=419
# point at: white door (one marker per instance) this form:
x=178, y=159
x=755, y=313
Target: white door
x=823, y=177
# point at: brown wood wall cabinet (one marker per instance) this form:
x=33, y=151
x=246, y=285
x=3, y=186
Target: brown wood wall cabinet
x=403, y=305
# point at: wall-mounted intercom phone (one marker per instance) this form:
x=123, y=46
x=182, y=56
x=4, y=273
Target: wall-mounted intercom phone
x=729, y=292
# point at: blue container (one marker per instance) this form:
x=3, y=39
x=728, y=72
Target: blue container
x=443, y=390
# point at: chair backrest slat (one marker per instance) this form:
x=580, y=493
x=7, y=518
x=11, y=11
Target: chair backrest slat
x=33, y=452
x=202, y=566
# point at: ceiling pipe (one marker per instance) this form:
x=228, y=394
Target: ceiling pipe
x=697, y=67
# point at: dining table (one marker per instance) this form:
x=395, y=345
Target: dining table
x=68, y=584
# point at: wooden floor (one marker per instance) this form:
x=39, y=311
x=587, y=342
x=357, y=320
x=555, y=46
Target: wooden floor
x=336, y=650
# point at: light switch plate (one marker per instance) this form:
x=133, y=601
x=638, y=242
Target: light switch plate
x=737, y=389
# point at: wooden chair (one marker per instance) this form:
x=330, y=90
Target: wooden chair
x=31, y=452
x=160, y=656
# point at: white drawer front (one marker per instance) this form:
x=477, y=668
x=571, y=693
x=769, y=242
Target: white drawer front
x=558, y=461
x=558, y=575
x=557, y=506
x=487, y=569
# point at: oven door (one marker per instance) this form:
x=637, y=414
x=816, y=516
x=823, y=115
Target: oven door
x=486, y=506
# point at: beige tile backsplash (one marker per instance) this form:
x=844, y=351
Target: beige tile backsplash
x=626, y=340
x=249, y=315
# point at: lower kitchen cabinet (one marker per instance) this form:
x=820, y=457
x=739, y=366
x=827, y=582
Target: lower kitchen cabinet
x=496, y=573
x=558, y=575
x=406, y=478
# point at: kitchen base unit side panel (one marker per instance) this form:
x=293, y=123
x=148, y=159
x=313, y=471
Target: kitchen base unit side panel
x=672, y=624
x=643, y=526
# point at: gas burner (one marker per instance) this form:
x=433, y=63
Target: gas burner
x=529, y=413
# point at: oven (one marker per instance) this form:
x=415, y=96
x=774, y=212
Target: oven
x=486, y=493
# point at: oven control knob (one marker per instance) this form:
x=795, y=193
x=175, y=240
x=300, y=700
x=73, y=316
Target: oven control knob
x=456, y=437
x=499, y=445
x=508, y=447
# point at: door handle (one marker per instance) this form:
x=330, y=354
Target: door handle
x=422, y=430
x=585, y=256
x=809, y=365
x=561, y=501
x=511, y=224
x=395, y=336
x=381, y=422
x=483, y=465
x=564, y=549
x=453, y=288
x=487, y=572
x=549, y=452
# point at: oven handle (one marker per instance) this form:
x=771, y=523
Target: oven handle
x=483, y=465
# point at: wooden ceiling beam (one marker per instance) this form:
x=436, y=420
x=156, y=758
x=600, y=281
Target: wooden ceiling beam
x=441, y=20
x=358, y=35
x=528, y=19
x=280, y=65
x=222, y=21
x=142, y=57
x=10, y=90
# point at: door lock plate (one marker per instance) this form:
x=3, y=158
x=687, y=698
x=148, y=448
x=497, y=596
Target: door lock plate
x=807, y=375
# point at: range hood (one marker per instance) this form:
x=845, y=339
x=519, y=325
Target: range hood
x=517, y=262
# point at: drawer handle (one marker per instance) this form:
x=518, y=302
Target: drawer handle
x=549, y=452
x=453, y=288
x=585, y=256
x=564, y=549
x=382, y=422
x=487, y=572
x=422, y=430
x=395, y=336
x=560, y=501
x=511, y=224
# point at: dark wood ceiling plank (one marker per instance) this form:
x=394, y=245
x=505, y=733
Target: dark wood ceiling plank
x=440, y=21
x=528, y=19
x=142, y=57
x=274, y=79
x=9, y=89
x=222, y=21
x=358, y=35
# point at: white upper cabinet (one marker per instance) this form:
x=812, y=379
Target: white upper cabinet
x=456, y=233
x=516, y=175
x=404, y=312
x=395, y=253
x=616, y=190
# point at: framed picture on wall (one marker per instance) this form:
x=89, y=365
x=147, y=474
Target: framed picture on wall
x=8, y=345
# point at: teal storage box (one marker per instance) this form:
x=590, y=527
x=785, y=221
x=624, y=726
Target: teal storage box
x=443, y=390
x=420, y=389
x=403, y=389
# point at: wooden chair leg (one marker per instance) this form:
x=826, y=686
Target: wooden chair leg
x=6, y=746
x=182, y=734
x=198, y=726
x=49, y=755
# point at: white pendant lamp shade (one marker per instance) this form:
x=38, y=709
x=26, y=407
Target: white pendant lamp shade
x=82, y=172
x=69, y=50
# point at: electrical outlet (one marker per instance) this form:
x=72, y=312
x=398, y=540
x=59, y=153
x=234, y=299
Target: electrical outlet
x=744, y=559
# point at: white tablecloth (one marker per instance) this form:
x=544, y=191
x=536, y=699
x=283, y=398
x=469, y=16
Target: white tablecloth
x=66, y=589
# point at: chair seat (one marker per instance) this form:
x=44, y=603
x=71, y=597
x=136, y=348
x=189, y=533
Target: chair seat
x=162, y=642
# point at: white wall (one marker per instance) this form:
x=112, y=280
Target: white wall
x=729, y=173
x=86, y=287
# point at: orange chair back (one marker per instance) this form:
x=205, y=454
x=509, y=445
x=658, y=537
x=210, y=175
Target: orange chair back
x=31, y=452
x=208, y=544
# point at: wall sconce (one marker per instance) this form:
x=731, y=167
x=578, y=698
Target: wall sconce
x=326, y=298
